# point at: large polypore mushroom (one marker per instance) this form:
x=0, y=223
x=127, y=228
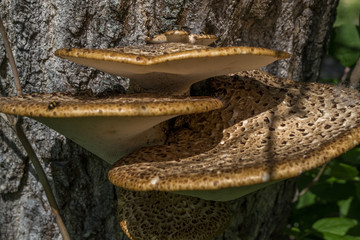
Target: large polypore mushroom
x=269, y=129
x=109, y=127
x=172, y=67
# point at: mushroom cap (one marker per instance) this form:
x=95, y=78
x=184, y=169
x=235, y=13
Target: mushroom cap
x=269, y=129
x=162, y=215
x=176, y=33
x=156, y=39
x=68, y=105
x=180, y=36
x=171, y=67
x=202, y=39
x=177, y=36
x=109, y=127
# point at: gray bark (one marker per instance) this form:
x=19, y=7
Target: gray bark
x=86, y=198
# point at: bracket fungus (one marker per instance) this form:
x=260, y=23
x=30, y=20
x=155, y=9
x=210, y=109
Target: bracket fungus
x=270, y=129
x=172, y=67
x=108, y=127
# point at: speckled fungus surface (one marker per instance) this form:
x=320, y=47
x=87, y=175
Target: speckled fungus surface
x=171, y=67
x=269, y=129
x=162, y=215
x=182, y=37
x=109, y=127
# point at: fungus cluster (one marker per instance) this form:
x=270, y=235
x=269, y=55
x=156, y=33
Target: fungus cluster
x=253, y=130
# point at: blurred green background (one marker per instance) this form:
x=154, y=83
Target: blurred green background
x=347, y=12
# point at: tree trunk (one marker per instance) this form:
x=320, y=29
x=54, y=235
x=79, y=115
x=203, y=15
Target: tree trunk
x=86, y=198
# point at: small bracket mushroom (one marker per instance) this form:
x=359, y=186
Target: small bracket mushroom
x=171, y=67
x=182, y=37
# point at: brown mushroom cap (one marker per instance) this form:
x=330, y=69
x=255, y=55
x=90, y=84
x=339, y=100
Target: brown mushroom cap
x=269, y=129
x=177, y=36
x=162, y=215
x=202, y=39
x=68, y=105
x=156, y=39
x=182, y=37
x=171, y=67
x=109, y=127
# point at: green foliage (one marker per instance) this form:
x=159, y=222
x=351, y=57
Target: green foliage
x=347, y=12
x=345, y=44
x=330, y=209
x=334, y=226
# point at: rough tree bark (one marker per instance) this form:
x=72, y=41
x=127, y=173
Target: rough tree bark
x=87, y=200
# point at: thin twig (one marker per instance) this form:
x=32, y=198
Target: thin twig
x=355, y=75
x=16, y=125
x=42, y=177
x=315, y=180
x=344, y=76
x=11, y=59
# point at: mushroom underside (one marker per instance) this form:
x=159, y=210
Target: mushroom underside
x=176, y=77
x=269, y=129
x=163, y=215
x=110, y=138
x=108, y=127
x=225, y=194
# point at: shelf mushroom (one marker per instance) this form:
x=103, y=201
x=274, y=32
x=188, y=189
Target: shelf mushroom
x=172, y=67
x=270, y=129
x=108, y=127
